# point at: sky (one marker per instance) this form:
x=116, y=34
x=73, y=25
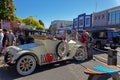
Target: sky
x=50, y=10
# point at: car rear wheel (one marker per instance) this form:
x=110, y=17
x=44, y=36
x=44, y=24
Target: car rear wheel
x=26, y=65
x=80, y=54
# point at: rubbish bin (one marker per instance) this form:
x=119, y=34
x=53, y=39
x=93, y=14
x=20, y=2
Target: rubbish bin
x=112, y=57
x=89, y=51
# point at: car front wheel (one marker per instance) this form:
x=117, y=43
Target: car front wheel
x=26, y=65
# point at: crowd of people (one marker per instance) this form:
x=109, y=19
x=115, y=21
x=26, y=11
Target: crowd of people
x=83, y=37
x=6, y=38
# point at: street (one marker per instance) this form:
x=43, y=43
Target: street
x=65, y=70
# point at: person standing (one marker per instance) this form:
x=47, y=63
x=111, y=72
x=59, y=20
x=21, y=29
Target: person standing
x=76, y=36
x=1, y=38
x=11, y=37
x=84, y=41
x=5, y=39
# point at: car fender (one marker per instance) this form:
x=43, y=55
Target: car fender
x=74, y=49
x=16, y=56
x=13, y=49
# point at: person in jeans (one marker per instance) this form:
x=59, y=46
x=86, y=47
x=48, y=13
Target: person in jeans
x=5, y=41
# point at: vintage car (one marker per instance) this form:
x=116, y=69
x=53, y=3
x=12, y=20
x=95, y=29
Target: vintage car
x=42, y=51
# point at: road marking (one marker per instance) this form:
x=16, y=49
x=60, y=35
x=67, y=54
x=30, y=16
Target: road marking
x=106, y=60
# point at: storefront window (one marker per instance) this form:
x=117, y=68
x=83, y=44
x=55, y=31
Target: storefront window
x=81, y=22
x=103, y=16
x=87, y=21
x=95, y=18
x=114, y=17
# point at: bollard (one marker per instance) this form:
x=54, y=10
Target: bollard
x=89, y=51
x=112, y=57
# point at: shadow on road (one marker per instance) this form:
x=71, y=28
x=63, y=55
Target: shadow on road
x=10, y=73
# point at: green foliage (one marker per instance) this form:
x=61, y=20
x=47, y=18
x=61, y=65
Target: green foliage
x=41, y=22
x=50, y=28
x=33, y=22
x=7, y=9
x=19, y=20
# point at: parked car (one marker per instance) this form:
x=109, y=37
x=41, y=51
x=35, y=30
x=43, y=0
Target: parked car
x=105, y=37
x=61, y=33
x=42, y=51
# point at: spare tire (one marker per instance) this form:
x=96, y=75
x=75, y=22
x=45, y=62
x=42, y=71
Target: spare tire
x=62, y=49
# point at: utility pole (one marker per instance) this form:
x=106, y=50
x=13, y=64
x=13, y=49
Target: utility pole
x=96, y=5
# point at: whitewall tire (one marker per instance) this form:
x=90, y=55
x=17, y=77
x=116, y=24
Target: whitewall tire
x=80, y=54
x=26, y=65
x=62, y=49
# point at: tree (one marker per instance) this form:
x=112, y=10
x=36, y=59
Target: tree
x=41, y=22
x=20, y=20
x=33, y=22
x=7, y=9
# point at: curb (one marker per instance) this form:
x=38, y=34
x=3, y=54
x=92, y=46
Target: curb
x=104, y=60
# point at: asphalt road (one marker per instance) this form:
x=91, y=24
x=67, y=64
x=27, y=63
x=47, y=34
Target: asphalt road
x=65, y=70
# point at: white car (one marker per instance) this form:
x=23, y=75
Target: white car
x=26, y=57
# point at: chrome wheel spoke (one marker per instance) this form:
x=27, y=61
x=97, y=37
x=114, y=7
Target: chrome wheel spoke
x=26, y=65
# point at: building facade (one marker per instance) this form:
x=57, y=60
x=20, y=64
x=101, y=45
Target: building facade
x=60, y=24
x=114, y=16
x=75, y=23
x=83, y=21
x=100, y=19
x=107, y=18
x=4, y=24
